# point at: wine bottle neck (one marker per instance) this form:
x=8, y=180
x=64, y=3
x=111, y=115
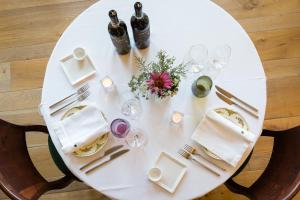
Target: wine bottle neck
x=139, y=16
x=138, y=13
x=138, y=10
x=113, y=17
x=115, y=21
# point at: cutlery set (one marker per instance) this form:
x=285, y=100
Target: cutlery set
x=189, y=152
x=113, y=153
x=230, y=99
x=189, y=156
x=192, y=151
x=81, y=94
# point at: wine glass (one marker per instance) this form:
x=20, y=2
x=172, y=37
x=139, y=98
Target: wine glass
x=197, y=57
x=219, y=61
x=221, y=56
x=132, y=106
x=121, y=128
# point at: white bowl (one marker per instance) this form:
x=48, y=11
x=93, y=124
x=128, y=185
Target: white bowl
x=79, y=54
x=155, y=174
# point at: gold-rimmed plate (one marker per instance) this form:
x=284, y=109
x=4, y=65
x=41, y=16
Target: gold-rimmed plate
x=96, y=145
x=234, y=117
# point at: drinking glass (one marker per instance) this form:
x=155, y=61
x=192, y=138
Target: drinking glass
x=197, y=57
x=202, y=86
x=219, y=60
x=136, y=138
x=131, y=106
x=221, y=56
x=121, y=128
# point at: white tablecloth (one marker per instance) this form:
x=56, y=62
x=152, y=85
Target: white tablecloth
x=175, y=26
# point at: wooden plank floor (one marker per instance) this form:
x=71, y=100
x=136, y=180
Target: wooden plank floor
x=29, y=30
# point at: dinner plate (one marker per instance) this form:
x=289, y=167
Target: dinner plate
x=96, y=145
x=234, y=117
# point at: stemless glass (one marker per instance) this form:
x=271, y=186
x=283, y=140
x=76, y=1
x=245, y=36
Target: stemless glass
x=197, y=57
x=121, y=128
x=202, y=86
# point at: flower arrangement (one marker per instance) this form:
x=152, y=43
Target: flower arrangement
x=157, y=78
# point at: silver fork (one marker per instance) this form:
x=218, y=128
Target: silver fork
x=192, y=150
x=79, y=98
x=78, y=92
x=189, y=156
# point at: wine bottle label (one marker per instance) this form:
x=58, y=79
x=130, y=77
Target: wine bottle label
x=143, y=35
x=122, y=43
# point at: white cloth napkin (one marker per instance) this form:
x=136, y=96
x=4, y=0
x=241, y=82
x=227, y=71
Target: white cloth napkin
x=81, y=128
x=222, y=137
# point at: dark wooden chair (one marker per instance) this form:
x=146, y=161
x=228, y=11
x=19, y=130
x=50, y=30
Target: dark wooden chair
x=19, y=179
x=281, y=178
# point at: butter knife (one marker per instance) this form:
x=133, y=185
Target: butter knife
x=229, y=95
x=107, y=152
x=231, y=102
x=112, y=157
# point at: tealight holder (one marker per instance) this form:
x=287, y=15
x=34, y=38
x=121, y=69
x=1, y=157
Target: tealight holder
x=177, y=118
x=107, y=83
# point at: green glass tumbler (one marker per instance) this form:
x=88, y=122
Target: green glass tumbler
x=202, y=86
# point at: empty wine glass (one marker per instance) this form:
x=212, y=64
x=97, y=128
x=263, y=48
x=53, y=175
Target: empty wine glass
x=221, y=56
x=136, y=138
x=219, y=60
x=121, y=128
x=132, y=107
x=197, y=57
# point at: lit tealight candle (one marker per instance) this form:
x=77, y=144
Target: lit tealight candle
x=177, y=117
x=107, y=83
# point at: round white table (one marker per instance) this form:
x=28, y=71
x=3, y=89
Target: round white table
x=176, y=25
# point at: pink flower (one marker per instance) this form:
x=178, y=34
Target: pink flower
x=158, y=82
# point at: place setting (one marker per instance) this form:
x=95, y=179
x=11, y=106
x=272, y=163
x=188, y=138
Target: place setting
x=111, y=113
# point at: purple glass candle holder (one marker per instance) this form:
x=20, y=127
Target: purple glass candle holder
x=120, y=128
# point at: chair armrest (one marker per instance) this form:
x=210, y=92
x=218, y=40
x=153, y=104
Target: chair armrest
x=36, y=128
x=236, y=188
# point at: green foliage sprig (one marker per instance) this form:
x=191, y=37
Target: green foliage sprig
x=138, y=84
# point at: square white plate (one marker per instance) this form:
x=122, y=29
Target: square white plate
x=172, y=171
x=77, y=71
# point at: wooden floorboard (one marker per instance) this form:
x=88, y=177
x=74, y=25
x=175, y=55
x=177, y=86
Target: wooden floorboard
x=29, y=30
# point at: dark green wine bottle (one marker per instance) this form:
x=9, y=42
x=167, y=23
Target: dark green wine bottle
x=118, y=33
x=140, y=27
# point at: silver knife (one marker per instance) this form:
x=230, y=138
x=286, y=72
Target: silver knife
x=107, y=152
x=112, y=157
x=231, y=102
x=229, y=95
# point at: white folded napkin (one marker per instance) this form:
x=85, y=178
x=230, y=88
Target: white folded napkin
x=81, y=128
x=222, y=137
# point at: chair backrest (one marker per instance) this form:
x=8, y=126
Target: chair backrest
x=19, y=179
x=281, y=178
